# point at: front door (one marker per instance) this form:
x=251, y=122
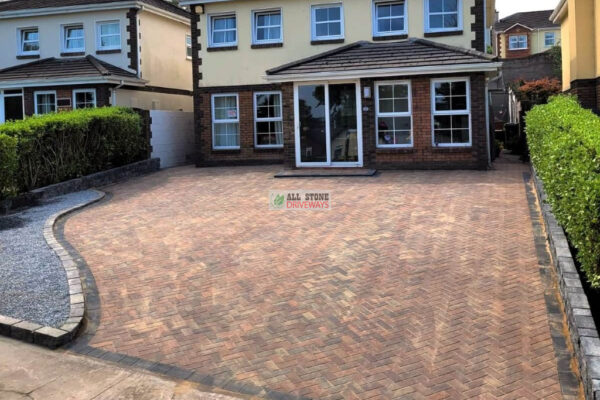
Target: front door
x=11, y=105
x=328, y=124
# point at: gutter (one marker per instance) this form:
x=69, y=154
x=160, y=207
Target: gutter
x=69, y=81
x=559, y=12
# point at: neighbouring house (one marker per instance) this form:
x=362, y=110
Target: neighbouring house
x=352, y=83
x=524, y=34
x=580, y=29
x=61, y=55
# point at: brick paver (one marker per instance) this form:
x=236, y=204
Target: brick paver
x=416, y=285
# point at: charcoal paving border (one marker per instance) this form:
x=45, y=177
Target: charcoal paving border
x=582, y=328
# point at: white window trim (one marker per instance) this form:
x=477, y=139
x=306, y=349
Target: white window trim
x=517, y=48
x=256, y=120
x=393, y=114
x=210, y=29
x=35, y=100
x=20, y=41
x=255, y=27
x=99, y=36
x=63, y=39
x=313, y=24
x=190, y=46
x=451, y=112
x=429, y=29
x=553, y=39
x=225, y=121
x=376, y=32
x=83, y=91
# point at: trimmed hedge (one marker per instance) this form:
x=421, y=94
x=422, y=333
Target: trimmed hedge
x=564, y=141
x=56, y=147
x=8, y=166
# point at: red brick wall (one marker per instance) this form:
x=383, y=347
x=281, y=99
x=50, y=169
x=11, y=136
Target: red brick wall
x=587, y=91
x=66, y=92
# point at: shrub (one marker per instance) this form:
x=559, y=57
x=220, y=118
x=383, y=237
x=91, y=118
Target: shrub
x=56, y=147
x=8, y=165
x=564, y=141
x=537, y=92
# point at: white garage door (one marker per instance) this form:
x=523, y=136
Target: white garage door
x=172, y=137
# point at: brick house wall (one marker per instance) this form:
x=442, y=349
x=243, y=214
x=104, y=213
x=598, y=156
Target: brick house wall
x=587, y=91
x=65, y=92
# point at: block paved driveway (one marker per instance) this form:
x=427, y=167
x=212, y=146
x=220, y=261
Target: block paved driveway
x=416, y=284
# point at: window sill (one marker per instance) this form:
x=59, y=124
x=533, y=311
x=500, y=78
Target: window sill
x=390, y=37
x=268, y=149
x=525, y=48
x=452, y=149
x=222, y=48
x=444, y=33
x=266, y=45
x=327, y=41
x=395, y=150
x=73, y=54
x=226, y=151
x=28, y=56
x=113, y=51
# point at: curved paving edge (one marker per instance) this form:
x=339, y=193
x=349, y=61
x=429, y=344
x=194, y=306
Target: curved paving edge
x=583, y=330
x=46, y=335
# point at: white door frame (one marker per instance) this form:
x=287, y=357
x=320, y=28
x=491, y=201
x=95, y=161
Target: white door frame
x=2, y=109
x=2, y=116
x=328, y=163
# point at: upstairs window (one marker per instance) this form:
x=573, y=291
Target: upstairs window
x=223, y=30
x=443, y=15
x=267, y=27
x=73, y=39
x=451, y=107
x=549, y=39
x=389, y=18
x=188, y=46
x=29, y=41
x=109, y=35
x=518, y=42
x=327, y=22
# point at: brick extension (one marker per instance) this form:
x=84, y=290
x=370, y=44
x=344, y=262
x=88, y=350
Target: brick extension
x=415, y=285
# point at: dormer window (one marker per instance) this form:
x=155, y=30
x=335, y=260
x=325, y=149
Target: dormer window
x=73, y=39
x=29, y=41
x=443, y=15
x=389, y=18
x=327, y=22
x=517, y=42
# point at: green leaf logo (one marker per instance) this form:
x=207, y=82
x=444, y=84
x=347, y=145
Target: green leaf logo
x=279, y=199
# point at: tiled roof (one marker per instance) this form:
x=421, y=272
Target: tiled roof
x=372, y=56
x=533, y=20
x=53, y=68
x=14, y=5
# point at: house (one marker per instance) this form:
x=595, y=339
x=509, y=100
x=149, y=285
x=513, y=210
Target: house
x=352, y=83
x=67, y=54
x=580, y=29
x=524, y=34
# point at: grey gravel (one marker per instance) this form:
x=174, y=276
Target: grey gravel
x=33, y=283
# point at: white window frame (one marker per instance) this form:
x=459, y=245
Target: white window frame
x=76, y=91
x=375, y=21
x=99, y=35
x=21, y=41
x=546, y=39
x=41, y=92
x=393, y=114
x=276, y=119
x=225, y=121
x=435, y=113
x=63, y=38
x=429, y=29
x=518, y=37
x=255, y=15
x=313, y=22
x=210, y=29
x=188, y=46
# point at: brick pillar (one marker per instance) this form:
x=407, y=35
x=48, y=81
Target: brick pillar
x=196, y=34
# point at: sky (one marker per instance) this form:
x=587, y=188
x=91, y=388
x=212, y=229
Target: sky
x=508, y=7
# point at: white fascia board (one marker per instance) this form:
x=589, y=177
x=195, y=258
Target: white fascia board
x=196, y=2
x=559, y=12
x=67, y=81
x=387, y=72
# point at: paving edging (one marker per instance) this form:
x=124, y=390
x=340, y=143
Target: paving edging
x=582, y=328
x=46, y=335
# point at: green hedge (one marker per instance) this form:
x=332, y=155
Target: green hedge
x=564, y=141
x=56, y=147
x=8, y=166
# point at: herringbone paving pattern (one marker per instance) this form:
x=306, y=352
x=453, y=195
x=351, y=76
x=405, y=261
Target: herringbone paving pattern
x=416, y=285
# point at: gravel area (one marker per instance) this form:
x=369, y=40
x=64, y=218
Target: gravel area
x=33, y=283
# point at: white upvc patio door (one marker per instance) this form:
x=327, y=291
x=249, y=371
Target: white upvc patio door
x=328, y=124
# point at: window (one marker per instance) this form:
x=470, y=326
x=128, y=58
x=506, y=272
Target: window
x=549, y=39
x=73, y=38
x=389, y=18
x=267, y=27
x=223, y=30
x=84, y=98
x=268, y=122
x=226, y=121
x=327, y=22
x=109, y=35
x=393, y=111
x=443, y=15
x=451, y=112
x=45, y=102
x=29, y=41
x=517, y=42
x=188, y=46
